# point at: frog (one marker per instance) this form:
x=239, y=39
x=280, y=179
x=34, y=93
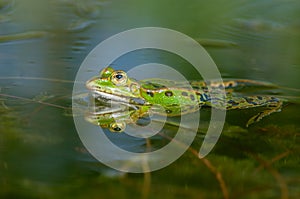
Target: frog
x=170, y=98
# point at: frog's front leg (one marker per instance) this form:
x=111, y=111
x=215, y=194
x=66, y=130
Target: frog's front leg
x=272, y=105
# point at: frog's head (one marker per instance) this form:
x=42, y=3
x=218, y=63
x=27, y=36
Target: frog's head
x=115, y=85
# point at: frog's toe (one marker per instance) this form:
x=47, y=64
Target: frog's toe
x=255, y=118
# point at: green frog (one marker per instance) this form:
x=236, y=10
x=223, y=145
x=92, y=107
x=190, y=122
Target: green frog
x=169, y=98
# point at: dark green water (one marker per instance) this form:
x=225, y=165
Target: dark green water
x=41, y=155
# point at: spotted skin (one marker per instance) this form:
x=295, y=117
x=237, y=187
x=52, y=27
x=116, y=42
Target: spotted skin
x=166, y=97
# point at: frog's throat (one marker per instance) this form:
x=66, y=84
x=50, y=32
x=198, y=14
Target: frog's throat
x=118, y=98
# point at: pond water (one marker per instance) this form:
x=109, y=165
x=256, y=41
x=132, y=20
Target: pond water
x=42, y=45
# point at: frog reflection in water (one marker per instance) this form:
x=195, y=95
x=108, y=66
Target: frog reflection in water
x=166, y=97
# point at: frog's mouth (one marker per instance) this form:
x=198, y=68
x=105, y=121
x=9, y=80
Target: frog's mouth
x=101, y=95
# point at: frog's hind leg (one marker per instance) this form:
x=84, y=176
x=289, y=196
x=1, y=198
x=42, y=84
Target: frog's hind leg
x=272, y=105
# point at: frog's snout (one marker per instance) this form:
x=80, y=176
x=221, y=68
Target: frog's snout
x=90, y=84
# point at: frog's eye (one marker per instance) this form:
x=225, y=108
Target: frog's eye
x=117, y=127
x=119, y=78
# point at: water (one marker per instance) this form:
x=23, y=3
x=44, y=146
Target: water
x=41, y=155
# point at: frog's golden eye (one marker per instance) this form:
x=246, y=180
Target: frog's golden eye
x=119, y=78
x=117, y=127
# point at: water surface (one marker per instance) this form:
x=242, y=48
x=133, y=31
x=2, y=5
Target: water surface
x=41, y=155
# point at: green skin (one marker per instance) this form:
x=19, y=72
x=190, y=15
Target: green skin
x=165, y=97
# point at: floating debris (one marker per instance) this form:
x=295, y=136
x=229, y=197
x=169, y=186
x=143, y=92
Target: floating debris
x=80, y=25
x=218, y=43
x=23, y=36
